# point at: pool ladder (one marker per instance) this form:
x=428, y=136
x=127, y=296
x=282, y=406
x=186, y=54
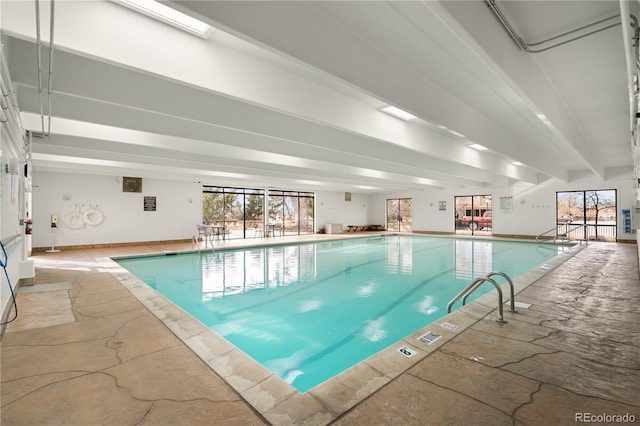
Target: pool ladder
x=477, y=283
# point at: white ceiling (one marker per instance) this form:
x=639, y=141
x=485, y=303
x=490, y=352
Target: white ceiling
x=285, y=94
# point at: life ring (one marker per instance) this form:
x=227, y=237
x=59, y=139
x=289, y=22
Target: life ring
x=93, y=217
x=74, y=221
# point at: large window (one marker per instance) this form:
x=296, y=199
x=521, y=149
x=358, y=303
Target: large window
x=241, y=211
x=587, y=214
x=291, y=212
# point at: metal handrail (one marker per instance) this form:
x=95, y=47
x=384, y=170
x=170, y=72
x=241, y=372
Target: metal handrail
x=555, y=228
x=512, y=300
x=581, y=225
x=472, y=287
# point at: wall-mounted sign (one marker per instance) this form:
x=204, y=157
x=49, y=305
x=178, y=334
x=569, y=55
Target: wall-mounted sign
x=131, y=184
x=149, y=204
x=506, y=204
x=442, y=205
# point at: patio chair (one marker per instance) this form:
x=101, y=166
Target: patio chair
x=205, y=235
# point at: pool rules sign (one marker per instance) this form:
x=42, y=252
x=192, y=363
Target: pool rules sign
x=149, y=204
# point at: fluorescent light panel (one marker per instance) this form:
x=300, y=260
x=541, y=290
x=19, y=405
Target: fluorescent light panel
x=168, y=15
x=517, y=163
x=453, y=132
x=478, y=147
x=397, y=112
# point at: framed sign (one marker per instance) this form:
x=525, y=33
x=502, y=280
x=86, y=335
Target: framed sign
x=131, y=184
x=149, y=204
x=506, y=204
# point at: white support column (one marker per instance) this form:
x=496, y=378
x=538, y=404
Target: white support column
x=265, y=212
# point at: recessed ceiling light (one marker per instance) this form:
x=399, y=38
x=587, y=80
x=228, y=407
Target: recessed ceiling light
x=453, y=132
x=168, y=15
x=517, y=163
x=478, y=147
x=397, y=112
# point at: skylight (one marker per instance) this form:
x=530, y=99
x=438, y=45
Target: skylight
x=397, y=112
x=168, y=15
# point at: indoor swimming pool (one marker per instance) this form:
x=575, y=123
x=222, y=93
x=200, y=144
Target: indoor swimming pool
x=312, y=310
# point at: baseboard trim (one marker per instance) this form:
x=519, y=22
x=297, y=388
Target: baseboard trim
x=108, y=245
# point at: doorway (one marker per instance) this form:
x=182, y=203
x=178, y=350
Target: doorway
x=399, y=215
x=473, y=215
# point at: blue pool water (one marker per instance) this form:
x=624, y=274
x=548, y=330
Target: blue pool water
x=310, y=311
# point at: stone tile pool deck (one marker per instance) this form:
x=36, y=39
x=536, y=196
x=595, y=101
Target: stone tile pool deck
x=85, y=351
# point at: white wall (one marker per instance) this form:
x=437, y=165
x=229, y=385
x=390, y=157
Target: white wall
x=12, y=199
x=179, y=209
x=534, y=207
x=11, y=195
x=331, y=207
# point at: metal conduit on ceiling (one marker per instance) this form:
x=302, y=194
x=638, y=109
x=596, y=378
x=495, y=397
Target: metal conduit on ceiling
x=526, y=46
x=632, y=57
x=50, y=76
